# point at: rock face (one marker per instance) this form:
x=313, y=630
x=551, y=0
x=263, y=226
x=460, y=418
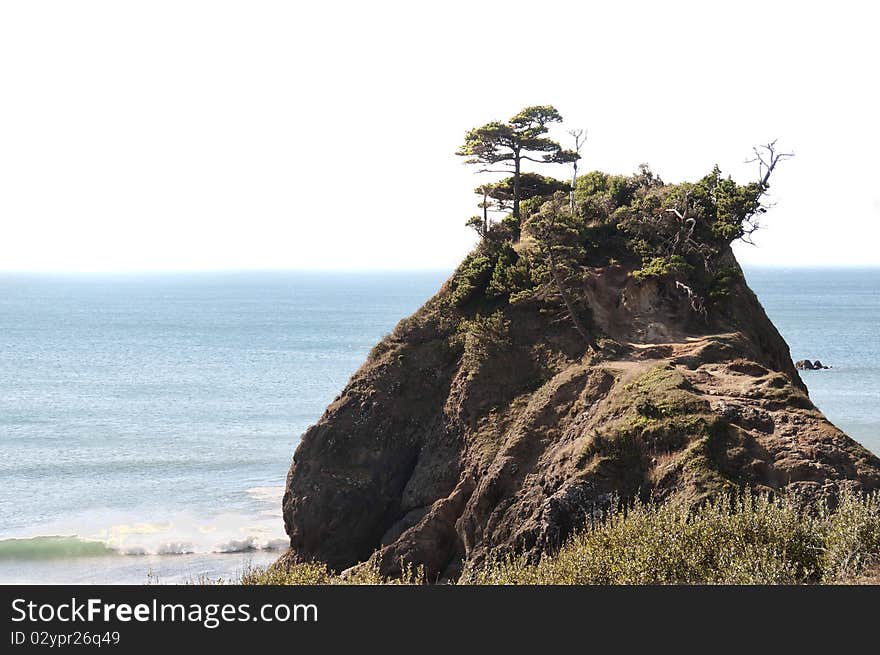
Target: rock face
x=437, y=456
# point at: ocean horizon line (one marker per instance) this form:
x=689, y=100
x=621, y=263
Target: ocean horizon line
x=358, y=271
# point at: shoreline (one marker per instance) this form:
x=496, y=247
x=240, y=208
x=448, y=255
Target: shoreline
x=135, y=569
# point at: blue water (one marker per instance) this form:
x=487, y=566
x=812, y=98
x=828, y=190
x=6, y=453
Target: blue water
x=155, y=416
x=159, y=414
x=834, y=316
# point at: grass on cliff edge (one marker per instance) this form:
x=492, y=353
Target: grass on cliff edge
x=747, y=540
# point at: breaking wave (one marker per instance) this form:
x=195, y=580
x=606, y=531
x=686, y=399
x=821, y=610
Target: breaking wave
x=178, y=534
x=65, y=547
x=51, y=547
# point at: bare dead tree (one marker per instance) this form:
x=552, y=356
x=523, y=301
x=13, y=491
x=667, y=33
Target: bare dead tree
x=684, y=235
x=767, y=158
x=580, y=138
x=698, y=304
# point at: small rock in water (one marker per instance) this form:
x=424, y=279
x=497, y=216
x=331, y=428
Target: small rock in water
x=807, y=365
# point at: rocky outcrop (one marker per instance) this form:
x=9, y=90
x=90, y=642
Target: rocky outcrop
x=438, y=455
x=807, y=365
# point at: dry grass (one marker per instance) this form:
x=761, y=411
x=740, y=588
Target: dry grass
x=316, y=573
x=732, y=540
x=729, y=541
x=871, y=576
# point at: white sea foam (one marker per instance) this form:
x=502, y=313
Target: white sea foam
x=180, y=534
x=277, y=544
x=132, y=550
x=267, y=494
x=237, y=546
x=176, y=548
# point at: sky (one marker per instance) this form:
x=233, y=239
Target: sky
x=189, y=135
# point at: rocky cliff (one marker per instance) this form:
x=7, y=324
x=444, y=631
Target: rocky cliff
x=482, y=425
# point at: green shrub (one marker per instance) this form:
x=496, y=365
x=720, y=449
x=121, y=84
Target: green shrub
x=471, y=278
x=851, y=537
x=663, y=267
x=738, y=540
x=510, y=275
x=482, y=337
x=719, y=287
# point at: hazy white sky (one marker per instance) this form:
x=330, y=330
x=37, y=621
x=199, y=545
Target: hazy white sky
x=225, y=135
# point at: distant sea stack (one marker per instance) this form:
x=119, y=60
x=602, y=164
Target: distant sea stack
x=807, y=365
x=573, y=358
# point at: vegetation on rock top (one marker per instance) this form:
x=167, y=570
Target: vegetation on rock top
x=556, y=233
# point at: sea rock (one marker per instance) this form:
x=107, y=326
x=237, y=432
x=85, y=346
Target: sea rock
x=439, y=457
x=807, y=365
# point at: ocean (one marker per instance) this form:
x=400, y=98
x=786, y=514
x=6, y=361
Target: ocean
x=147, y=422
